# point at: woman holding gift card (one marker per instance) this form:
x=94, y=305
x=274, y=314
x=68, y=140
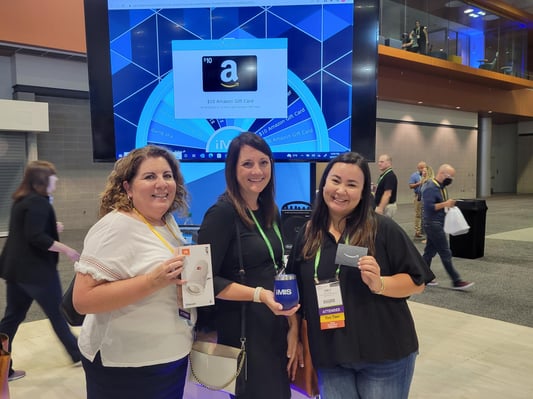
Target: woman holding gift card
x=361, y=333
x=244, y=224
x=137, y=335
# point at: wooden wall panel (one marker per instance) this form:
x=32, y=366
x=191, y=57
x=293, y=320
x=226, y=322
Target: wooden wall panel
x=49, y=24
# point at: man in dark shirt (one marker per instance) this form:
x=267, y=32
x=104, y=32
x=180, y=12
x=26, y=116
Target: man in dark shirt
x=420, y=34
x=387, y=187
x=435, y=200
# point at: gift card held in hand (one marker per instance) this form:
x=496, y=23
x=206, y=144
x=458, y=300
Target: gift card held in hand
x=348, y=255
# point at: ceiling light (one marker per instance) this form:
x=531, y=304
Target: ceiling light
x=468, y=10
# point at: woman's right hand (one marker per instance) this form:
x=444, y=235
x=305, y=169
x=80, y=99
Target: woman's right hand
x=167, y=273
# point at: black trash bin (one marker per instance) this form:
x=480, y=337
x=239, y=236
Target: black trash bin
x=472, y=244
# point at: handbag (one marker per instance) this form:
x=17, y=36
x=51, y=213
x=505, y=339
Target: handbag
x=306, y=379
x=72, y=316
x=455, y=223
x=218, y=367
x=5, y=360
x=215, y=366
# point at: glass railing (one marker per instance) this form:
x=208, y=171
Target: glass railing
x=457, y=32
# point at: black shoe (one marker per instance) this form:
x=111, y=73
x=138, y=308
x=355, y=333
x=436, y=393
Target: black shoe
x=462, y=285
x=16, y=375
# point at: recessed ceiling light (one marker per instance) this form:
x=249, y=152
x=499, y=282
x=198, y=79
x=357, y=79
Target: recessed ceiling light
x=468, y=10
x=457, y=107
x=453, y=4
x=420, y=102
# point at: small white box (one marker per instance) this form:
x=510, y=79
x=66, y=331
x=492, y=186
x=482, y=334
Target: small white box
x=197, y=270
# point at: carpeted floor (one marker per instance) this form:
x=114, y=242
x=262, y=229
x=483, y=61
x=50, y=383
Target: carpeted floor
x=503, y=276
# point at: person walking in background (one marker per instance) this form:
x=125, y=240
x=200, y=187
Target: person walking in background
x=387, y=187
x=136, y=335
x=30, y=256
x=245, y=218
x=415, y=183
x=435, y=201
x=370, y=352
x=427, y=175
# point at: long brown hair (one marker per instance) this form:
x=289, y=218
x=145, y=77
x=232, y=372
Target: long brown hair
x=115, y=197
x=233, y=192
x=36, y=177
x=361, y=224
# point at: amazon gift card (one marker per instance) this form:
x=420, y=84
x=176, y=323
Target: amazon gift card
x=348, y=255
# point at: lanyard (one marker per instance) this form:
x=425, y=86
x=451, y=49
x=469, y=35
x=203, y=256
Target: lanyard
x=317, y=261
x=165, y=242
x=267, y=241
x=383, y=175
x=443, y=191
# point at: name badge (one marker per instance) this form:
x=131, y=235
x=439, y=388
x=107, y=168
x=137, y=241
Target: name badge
x=330, y=306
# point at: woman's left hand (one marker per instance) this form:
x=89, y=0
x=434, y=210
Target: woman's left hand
x=267, y=297
x=370, y=272
x=294, y=352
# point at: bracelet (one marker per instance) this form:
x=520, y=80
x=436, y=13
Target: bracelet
x=382, y=288
x=257, y=294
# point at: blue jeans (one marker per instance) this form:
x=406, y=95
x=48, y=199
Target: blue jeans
x=390, y=380
x=437, y=242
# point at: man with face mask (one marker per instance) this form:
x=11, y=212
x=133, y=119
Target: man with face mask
x=435, y=200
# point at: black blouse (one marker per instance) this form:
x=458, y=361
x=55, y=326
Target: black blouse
x=378, y=328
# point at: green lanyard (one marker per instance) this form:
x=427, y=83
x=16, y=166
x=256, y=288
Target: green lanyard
x=317, y=261
x=383, y=175
x=267, y=241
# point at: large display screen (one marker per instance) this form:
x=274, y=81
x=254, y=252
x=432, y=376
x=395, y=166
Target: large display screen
x=191, y=75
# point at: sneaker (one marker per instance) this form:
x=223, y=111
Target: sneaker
x=16, y=375
x=433, y=283
x=462, y=285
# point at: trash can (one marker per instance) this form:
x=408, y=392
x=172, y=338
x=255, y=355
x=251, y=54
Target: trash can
x=472, y=244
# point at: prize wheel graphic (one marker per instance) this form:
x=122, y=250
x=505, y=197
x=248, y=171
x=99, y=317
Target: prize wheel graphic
x=304, y=129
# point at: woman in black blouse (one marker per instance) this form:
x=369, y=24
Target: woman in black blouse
x=29, y=258
x=247, y=210
x=362, y=336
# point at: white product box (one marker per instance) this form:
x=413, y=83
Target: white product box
x=198, y=271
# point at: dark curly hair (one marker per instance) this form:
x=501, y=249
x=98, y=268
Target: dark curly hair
x=115, y=197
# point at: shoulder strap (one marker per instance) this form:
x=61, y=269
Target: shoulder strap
x=242, y=275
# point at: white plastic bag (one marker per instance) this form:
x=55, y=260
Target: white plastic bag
x=455, y=223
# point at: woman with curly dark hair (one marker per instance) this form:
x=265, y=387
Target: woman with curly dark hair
x=136, y=336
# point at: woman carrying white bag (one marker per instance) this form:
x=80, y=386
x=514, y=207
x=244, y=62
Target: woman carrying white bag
x=434, y=202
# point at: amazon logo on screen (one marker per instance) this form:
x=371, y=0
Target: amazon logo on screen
x=229, y=73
